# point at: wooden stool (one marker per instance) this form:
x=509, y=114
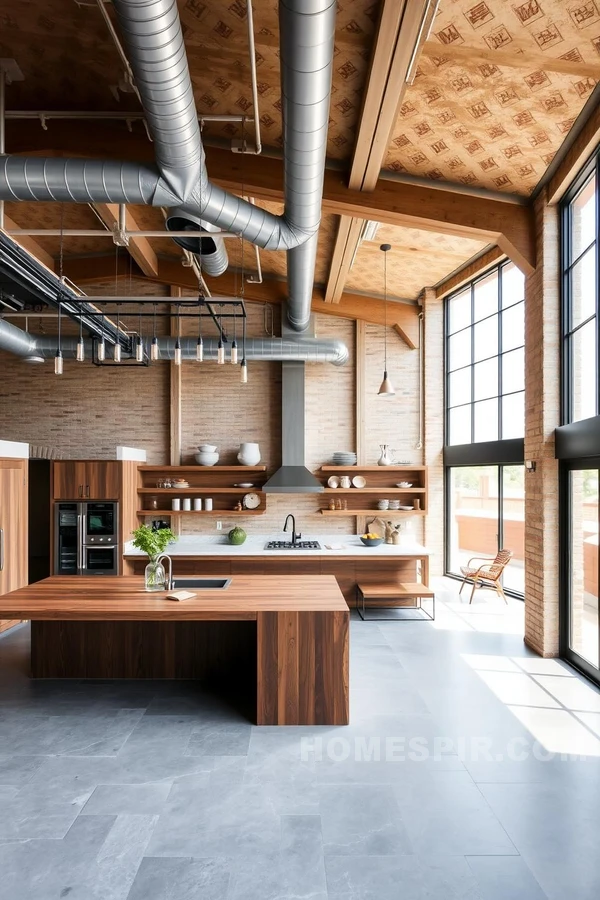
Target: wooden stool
x=394, y=596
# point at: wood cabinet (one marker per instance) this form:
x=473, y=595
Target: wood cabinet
x=13, y=527
x=86, y=480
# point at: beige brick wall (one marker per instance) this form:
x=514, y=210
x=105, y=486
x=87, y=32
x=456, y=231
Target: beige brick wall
x=89, y=411
x=542, y=415
x=433, y=310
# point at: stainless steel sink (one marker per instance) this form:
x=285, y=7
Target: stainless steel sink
x=206, y=584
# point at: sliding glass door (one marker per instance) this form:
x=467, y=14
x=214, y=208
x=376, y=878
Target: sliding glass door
x=486, y=506
x=580, y=621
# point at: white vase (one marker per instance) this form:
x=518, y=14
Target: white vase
x=386, y=458
x=249, y=454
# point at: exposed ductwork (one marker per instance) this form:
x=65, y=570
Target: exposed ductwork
x=152, y=35
x=28, y=346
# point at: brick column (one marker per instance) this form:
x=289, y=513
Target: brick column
x=542, y=411
x=433, y=403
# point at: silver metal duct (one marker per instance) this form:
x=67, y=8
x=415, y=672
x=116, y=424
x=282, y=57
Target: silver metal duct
x=25, y=345
x=154, y=42
x=209, y=248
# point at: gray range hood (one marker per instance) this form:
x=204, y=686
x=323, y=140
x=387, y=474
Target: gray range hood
x=293, y=477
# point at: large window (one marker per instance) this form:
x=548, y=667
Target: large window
x=486, y=512
x=580, y=298
x=485, y=361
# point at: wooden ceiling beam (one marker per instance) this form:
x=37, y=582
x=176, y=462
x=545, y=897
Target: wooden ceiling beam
x=28, y=243
x=467, y=273
x=84, y=271
x=526, y=59
x=139, y=247
x=432, y=208
x=397, y=34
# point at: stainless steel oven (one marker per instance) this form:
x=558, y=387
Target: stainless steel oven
x=86, y=538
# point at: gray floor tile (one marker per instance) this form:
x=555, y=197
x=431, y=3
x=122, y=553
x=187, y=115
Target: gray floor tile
x=66, y=735
x=201, y=820
x=132, y=799
x=180, y=879
x=361, y=820
x=296, y=870
x=446, y=810
x=18, y=770
x=434, y=877
x=504, y=878
x=555, y=831
x=219, y=739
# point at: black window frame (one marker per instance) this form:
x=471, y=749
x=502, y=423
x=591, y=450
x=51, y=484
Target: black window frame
x=499, y=355
x=501, y=452
x=567, y=396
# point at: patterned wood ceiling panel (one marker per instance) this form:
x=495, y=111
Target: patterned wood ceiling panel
x=417, y=259
x=482, y=123
x=69, y=62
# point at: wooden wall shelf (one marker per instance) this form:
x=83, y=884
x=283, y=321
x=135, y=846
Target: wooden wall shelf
x=204, y=481
x=380, y=485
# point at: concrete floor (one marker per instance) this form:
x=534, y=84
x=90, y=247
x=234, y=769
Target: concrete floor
x=440, y=788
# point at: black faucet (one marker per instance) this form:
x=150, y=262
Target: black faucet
x=295, y=536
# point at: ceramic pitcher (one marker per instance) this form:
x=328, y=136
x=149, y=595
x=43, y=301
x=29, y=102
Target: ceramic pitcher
x=387, y=454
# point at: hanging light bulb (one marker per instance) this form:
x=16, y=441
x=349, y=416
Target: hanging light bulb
x=80, y=353
x=177, y=358
x=386, y=388
x=102, y=344
x=199, y=349
x=220, y=353
x=117, y=353
x=58, y=359
x=154, y=341
x=234, y=346
x=244, y=371
x=139, y=344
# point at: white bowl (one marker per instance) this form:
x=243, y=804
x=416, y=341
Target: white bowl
x=404, y=484
x=207, y=459
x=207, y=448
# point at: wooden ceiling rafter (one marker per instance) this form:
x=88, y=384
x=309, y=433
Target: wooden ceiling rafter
x=139, y=248
x=393, y=50
x=29, y=244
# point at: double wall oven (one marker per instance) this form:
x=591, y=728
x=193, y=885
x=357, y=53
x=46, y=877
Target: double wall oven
x=86, y=538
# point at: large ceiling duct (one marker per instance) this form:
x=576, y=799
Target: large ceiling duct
x=152, y=35
x=298, y=349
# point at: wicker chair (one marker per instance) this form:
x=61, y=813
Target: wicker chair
x=488, y=574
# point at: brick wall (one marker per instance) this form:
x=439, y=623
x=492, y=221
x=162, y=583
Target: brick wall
x=433, y=310
x=88, y=411
x=542, y=412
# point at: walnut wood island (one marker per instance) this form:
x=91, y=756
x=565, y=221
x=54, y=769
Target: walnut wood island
x=290, y=633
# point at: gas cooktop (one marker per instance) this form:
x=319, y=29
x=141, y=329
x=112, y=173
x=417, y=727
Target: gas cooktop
x=287, y=545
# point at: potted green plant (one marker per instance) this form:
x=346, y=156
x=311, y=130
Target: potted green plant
x=153, y=543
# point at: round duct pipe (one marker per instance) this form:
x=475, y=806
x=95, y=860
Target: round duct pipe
x=209, y=247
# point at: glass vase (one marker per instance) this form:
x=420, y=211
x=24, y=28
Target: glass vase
x=155, y=576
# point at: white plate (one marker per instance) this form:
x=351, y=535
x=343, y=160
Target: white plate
x=245, y=484
x=251, y=501
x=333, y=482
x=359, y=482
x=406, y=507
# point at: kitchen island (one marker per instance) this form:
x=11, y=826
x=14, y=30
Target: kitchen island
x=341, y=555
x=288, y=635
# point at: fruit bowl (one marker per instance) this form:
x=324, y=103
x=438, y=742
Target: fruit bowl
x=371, y=541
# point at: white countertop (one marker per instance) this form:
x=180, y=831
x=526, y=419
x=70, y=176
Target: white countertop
x=332, y=545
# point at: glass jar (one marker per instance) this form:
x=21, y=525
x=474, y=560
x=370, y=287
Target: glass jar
x=154, y=576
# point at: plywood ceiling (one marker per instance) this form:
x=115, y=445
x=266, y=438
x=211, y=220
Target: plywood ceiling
x=417, y=258
x=472, y=121
x=483, y=123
